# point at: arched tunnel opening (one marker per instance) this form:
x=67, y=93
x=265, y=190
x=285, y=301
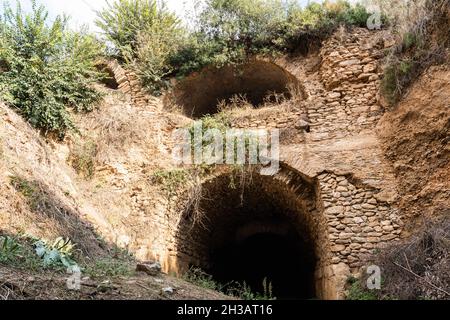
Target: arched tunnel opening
x=271, y=264
x=257, y=81
x=263, y=234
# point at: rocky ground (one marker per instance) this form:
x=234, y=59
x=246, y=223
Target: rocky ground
x=21, y=285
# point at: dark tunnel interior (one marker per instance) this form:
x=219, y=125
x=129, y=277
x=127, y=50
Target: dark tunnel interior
x=272, y=265
x=258, y=81
x=261, y=236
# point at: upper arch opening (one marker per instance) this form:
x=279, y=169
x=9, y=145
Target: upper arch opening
x=258, y=80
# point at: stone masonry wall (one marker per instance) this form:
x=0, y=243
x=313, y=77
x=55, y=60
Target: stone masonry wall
x=356, y=190
x=129, y=84
x=358, y=221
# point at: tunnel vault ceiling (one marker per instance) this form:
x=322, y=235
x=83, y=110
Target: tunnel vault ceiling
x=200, y=93
x=266, y=229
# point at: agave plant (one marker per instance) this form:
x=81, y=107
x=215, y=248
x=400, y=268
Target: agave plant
x=57, y=254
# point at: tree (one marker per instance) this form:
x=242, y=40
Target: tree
x=47, y=68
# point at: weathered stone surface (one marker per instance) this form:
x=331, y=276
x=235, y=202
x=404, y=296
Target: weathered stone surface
x=338, y=248
x=335, y=210
x=351, y=62
x=150, y=268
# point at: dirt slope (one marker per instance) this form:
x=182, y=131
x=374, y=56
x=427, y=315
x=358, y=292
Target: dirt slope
x=416, y=140
x=20, y=285
x=42, y=196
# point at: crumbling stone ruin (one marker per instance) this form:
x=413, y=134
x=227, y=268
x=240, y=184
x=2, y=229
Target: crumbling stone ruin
x=332, y=203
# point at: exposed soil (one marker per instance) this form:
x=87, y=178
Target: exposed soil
x=20, y=285
x=416, y=140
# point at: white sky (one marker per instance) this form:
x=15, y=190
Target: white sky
x=83, y=11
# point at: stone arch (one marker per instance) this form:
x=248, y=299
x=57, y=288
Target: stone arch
x=271, y=227
x=200, y=93
x=110, y=80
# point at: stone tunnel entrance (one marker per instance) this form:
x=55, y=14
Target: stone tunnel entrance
x=257, y=81
x=264, y=233
x=268, y=260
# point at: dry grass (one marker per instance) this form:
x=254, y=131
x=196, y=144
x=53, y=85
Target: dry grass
x=193, y=208
x=116, y=130
x=59, y=220
x=401, y=14
x=185, y=185
x=82, y=157
x=423, y=38
x=418, y=268
x=274, y=104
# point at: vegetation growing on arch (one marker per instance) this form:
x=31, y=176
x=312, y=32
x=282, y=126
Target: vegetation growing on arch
x=152, y=41
x=228, y=31
x=46, y=68
x=144, y=34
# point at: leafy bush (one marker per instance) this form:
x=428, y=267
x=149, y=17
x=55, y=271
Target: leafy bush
x=35, y=254
x=123, y=21
x=242, y=26
x=171, y=180
x=152, y=41
x=198, y=52
x=246, y=27
x=200, y=278
x=358, y=292
x=144, y=35
x=47, y=68
x=17, y=251
x=343, y=12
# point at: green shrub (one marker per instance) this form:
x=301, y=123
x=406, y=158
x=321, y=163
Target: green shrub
x=122, y=22
x=109, y=267
x=47, y=68
x=410, y=39
x=151, y=40
x=397, y=75
x=144, y=34
x=198, y=52
x=242, y=25
x=358, y=292
x=171, y=180
x=229, y=31
x=18, y=252
x=34, y=254
x=201, y=279
x=10, y=248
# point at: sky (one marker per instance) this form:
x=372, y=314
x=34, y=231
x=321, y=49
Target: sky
x=83, y=11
